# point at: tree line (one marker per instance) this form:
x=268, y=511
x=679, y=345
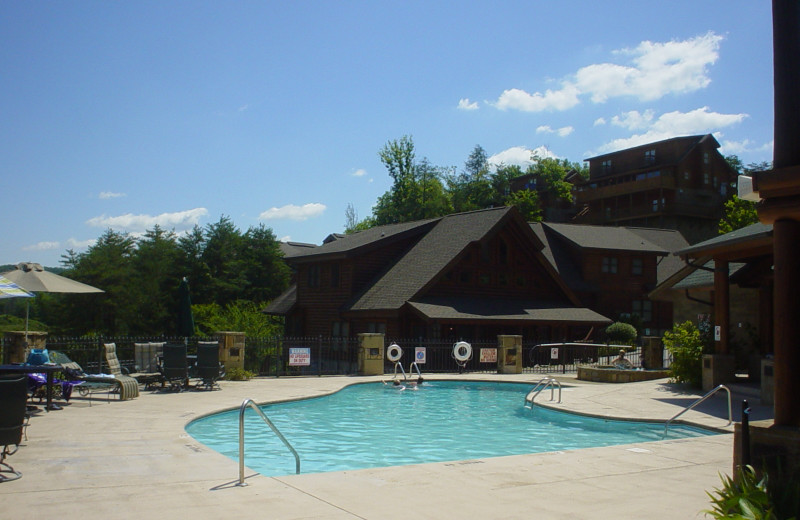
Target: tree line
x=232, y=275
x=421, y=190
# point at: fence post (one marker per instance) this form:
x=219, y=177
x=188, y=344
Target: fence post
x=319, y=355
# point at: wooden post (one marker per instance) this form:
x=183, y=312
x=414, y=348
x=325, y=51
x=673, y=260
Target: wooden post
x=721, y=306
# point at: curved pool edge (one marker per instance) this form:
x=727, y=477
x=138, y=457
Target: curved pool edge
x=629, y=405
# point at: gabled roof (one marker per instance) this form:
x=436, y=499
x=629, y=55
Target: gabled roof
x=744, y=236
x=284, y=303
x=295, y=248
x=373, y=238
x=456, y=308
x=428, y=258
x=605, y=237
x=689, y=141
x=558, y=238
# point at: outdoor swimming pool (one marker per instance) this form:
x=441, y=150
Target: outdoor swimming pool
x=375, y=425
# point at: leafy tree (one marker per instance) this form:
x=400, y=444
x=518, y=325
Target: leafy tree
x=552, y=173
x=266, y=274
x=241, y=315
x=222, y=256
x=739, y=213
x=155, y=264
x=107, y=265
x=686, y=342
x=621, y=333
x=527, y=202
x=417, y=191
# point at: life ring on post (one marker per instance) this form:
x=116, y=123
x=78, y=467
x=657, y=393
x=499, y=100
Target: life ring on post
x=462, y=351
x=394, y=353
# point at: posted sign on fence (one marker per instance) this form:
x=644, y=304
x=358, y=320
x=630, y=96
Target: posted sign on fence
x=299, y=356
x=419, y=355
x=488, y=355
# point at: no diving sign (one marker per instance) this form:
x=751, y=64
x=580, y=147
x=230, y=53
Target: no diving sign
x=419, y=355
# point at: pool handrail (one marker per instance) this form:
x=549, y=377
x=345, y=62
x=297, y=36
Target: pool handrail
x=254, y=406
x=414, y=365
x=398, y=364
x=543, y=383
x=709, y=394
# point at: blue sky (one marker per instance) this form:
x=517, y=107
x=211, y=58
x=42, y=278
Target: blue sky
x=124, y=115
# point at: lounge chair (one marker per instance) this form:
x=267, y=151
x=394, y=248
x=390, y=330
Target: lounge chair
x=175, y=367
x=87, y=384
x=13, y=400
x=208, y=368
x=128, y=386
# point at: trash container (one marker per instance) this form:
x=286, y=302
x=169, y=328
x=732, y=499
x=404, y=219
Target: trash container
x=370, y=354
x=509, y=354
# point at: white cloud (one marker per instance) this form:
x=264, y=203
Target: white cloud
x=599, y=121
x=633, y=120
x=180, y=221
x=466, y=104
x=519, y=156
x=562, y=132
x=80, y=244
x=287, y=238
x=43, y=246
x=359, y=173
x=516, y=99
x=292, y=212
x=745, y=147
x=654, y=70
x=110, y=195
x=668, y=125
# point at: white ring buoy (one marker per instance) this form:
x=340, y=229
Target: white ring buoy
x=394, y=353
x=462, y=351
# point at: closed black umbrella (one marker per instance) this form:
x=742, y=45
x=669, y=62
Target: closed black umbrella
x=185, y=318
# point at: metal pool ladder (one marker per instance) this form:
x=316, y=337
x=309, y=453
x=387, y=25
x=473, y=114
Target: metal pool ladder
x=252, y=404
x=709, y=394
x=545, y=382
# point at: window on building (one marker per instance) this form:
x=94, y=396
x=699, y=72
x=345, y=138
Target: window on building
x=636, y=266
x=502, y=253
x=686, y=175
x=485, y=253
x=644, y=309
x=335, y=275
x=655, y=204
x=716, y=182
x=705, y=178
x=706, y=158
x=340, y=329
x=376, y=328
x=484, y=279
x=605, y=166
x=650, y=157
x=313, y=276
x=609, y=265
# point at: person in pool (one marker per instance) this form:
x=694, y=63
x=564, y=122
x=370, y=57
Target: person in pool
x=621, y=362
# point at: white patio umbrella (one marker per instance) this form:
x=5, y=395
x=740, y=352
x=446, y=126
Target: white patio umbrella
x=33, y=278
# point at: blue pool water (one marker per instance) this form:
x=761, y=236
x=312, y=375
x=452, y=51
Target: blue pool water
x=374, y=425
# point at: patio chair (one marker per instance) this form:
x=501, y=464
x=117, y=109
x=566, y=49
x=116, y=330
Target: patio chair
x=87, y=384
x=13, y=400
x=146, y=362
x=175, y=367
x=208, y=368
x=128, y=386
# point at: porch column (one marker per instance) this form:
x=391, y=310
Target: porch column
x=722, y=295
x=786, y=236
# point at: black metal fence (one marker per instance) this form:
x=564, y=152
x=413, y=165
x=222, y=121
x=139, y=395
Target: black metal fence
x=284, y=356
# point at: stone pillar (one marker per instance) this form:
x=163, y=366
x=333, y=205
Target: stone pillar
x=509, y=354
x=370, y=354
x=17, y=348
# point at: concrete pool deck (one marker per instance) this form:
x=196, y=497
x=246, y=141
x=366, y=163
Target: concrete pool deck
x=133, y=459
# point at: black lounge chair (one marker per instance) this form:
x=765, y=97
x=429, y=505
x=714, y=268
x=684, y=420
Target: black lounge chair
x=175, y=368
x=208, y=368
x=13, y=408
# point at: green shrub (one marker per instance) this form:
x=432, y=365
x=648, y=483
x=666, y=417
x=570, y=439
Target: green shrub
x=686, y=343
x=621, y=333
x=745, y=497
x=238, y=374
